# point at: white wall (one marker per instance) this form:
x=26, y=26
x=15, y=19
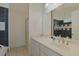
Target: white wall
x=35, y=19
x=17, y=15
x=46, y=23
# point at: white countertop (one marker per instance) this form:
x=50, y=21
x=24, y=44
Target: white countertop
x=71, y=50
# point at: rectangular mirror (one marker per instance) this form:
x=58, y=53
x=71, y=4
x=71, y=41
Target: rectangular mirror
x=65, y=21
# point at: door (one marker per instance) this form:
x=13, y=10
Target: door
x=4, y=22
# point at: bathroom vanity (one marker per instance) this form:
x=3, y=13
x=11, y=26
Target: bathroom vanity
x=45, y=46
x=40, y=48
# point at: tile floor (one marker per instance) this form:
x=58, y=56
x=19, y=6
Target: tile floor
x=20, y=51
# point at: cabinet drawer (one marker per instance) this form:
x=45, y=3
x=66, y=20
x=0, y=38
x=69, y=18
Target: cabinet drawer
x=48, y=51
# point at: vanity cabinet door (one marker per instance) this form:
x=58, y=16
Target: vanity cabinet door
x=34, y=48
x=41, y=53
x=47, y=52
x=38, y=49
